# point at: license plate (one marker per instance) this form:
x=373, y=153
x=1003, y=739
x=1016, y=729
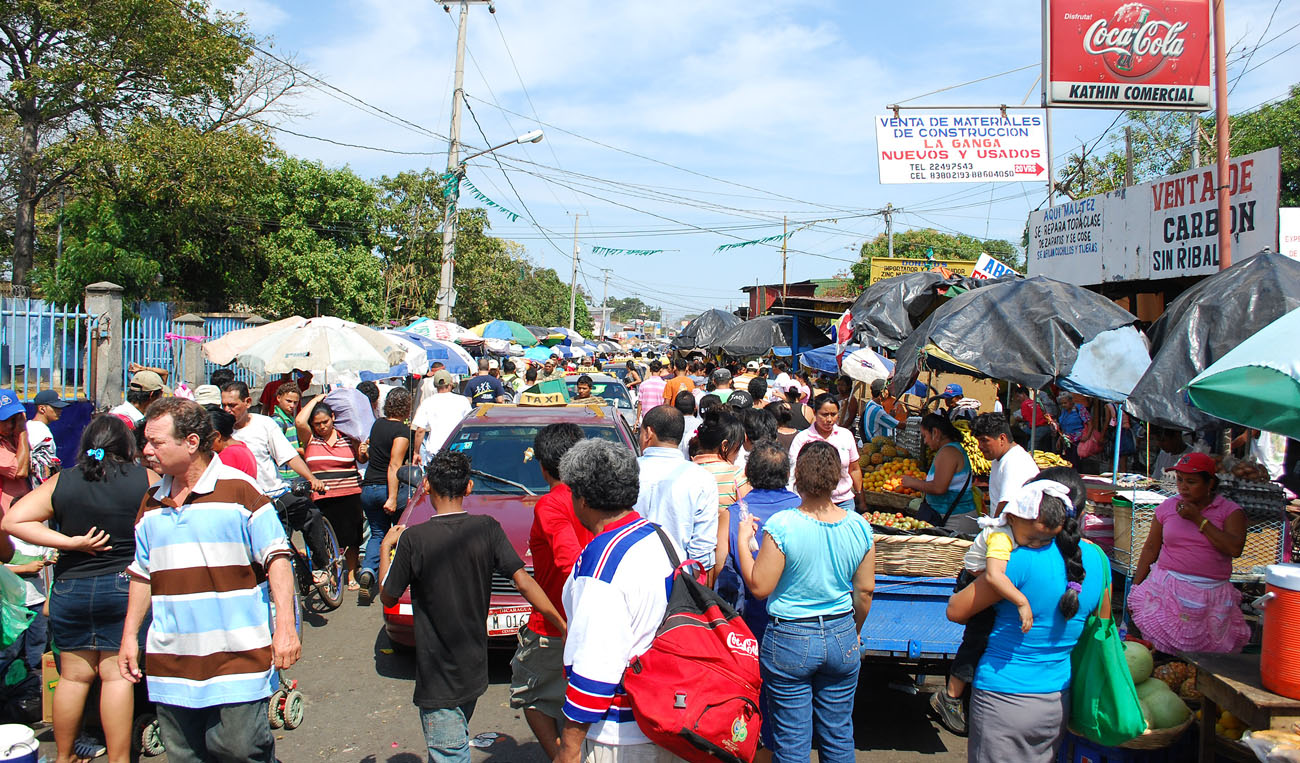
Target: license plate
x=507, y=620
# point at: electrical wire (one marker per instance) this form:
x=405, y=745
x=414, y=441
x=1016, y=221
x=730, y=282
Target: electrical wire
x=1246, y=66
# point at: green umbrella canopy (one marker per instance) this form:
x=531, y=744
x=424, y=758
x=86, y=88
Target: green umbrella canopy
x=1257, y=383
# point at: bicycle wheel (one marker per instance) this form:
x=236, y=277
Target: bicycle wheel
x=331, y=589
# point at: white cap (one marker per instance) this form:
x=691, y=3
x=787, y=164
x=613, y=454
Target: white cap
x=493, y=363
x=1283, y=576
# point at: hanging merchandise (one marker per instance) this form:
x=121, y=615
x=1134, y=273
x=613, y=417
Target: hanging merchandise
x=606, y=251
x=739, y=244
x=481, y=197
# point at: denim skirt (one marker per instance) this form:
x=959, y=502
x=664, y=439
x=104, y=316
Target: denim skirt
x=86, y=614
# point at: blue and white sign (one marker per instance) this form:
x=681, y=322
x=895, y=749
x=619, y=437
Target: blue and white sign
x=987, y=267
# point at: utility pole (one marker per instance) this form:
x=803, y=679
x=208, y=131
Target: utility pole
x=785, y=225
x=1196, y=141
x=889, y=226
x=446, y=281
x=604, y=304
x=573, y=281
x=1221, y=135
x=1128, y=156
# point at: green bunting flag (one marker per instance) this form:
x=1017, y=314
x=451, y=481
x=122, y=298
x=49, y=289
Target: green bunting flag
x=739, y=244
x=606, y=251
x=483, y=198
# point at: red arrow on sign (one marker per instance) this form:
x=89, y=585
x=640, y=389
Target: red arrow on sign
x=1030, y=169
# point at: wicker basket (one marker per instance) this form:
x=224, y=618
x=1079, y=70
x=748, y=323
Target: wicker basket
x=928, y=556
x=895, y=501
x=1157, y=739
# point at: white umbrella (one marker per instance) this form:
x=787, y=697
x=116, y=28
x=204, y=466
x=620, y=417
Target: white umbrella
x=223, y=349
x=445, y=330
x=414, y=355
x=326, y=345
x=865, y=365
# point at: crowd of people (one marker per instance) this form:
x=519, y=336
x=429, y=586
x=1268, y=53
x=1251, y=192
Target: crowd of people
x=169, y=530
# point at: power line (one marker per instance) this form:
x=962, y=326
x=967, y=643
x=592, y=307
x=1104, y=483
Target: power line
x=972, y=82
x=1246, y=66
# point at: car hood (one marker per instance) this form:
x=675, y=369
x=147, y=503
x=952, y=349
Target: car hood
x=514, y=512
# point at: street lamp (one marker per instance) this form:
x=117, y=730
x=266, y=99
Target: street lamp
x=446, y=287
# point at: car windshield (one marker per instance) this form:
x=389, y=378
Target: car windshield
x=614, y=394
x=502, y=455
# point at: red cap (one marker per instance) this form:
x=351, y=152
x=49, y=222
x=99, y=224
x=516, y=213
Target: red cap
x=1194, y=462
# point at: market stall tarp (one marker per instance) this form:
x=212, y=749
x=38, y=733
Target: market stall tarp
x=1257, y=384
x=1203, y=325
x=1030, y=331
x=771, y=333
x=887, y=311
x=705, y=330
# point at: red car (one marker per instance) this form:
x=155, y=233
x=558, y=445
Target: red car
x=507, y=483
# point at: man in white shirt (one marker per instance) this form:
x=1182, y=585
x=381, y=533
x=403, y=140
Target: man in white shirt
x=1012, y=464
x=145, y=387
x=679, y=496
x=437, y=415
x=45, y=455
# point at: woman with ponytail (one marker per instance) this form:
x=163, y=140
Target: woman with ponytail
x=94, y=505
x=1019, y=703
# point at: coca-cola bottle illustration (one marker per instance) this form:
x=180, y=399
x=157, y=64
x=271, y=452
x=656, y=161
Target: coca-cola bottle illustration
x=1124, y=62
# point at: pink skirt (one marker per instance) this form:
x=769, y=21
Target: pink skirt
x=1180, y=613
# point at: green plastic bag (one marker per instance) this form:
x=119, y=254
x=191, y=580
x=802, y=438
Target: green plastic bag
x=1103, y=700
x=14, y=614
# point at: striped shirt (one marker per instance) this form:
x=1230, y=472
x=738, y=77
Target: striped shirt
x=335, y=465
x=724, y=473
x=616, y=599
x=205, y=561
x=290, y=429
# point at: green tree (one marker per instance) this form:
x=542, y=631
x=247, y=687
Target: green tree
x=629, y=308
x=320, y=229
x=78, y=66
x=166, y=210
x=920, y=242
x=1162, y=146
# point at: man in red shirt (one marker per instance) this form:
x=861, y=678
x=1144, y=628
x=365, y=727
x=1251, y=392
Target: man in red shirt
x=537, y=681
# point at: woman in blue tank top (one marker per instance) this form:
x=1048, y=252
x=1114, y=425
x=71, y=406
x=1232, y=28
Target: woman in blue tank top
x=947, y=487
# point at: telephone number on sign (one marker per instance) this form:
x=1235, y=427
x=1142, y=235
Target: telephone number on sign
x=951, y=166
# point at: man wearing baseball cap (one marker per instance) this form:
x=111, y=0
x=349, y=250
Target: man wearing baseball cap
x=15, y=456
x=45, y=456
x=145, y=387
x=721, y=379
x=437, y=415
x=958, y=406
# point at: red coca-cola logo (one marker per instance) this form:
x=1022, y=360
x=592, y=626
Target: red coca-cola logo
x=1136, y=41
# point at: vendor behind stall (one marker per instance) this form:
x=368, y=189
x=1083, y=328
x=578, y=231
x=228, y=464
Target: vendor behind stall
x=947, y=487
x=1182, y=598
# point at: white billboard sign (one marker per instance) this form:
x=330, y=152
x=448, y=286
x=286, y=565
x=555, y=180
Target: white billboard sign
x=971, y=147
x=1289, y=232
x=988, y=267
x=1167, y=228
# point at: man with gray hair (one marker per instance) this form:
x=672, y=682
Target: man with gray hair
x=616, y=599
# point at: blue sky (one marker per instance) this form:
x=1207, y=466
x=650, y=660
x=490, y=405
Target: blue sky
x=764, y=108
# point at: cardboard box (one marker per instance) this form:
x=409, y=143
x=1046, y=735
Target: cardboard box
x=49, y=679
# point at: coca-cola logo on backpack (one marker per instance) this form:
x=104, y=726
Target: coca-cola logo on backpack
x=694, y=692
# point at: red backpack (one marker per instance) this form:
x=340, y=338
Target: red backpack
x=695, y=690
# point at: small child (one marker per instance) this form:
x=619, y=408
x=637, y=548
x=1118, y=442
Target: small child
x=1016, y=526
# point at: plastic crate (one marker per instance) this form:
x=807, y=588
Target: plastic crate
x=1076, y=749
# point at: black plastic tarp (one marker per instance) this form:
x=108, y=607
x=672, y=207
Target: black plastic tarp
x=760, y=335
x=1202, y=325
x=1023, y=330
x=889, y=310
x=704, y=330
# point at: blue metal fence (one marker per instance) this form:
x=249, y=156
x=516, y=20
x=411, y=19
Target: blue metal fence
x=218, y=327
x=44, y=346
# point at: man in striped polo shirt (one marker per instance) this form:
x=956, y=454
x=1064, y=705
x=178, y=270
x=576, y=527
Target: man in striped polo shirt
x=211, y=556
x=616, y=598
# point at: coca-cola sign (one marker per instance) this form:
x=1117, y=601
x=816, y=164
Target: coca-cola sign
x=1145, y=54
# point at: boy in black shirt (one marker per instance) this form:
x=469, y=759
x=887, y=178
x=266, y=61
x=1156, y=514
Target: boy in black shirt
x=448, y=563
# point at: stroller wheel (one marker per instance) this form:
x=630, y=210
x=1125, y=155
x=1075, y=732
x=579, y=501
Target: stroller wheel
x=294, y=709
x=146, y=736
x=275, y=709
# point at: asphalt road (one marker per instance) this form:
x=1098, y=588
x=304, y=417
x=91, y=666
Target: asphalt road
x=358, y=692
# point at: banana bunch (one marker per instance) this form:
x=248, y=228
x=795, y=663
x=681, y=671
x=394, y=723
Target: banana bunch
x=978, y=463
x=1046, y=460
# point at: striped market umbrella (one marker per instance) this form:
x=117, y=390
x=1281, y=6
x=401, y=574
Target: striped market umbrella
x=1257, y=383
x=509, y=330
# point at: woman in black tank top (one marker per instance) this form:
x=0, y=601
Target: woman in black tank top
x=94, y=506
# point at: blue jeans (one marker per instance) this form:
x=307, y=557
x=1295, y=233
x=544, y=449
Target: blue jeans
x=236, y=733
x=810, y=670
x=372, y=505
x=446, y=733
